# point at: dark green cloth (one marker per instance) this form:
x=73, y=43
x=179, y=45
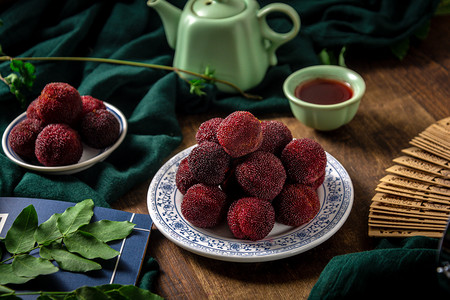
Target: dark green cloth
x=149, y=272
x=149, y=98
x=400, y=269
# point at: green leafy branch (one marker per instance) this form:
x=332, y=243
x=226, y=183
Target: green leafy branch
x=196, y=85
x=21, y=79
x=69, y=239
x=106, y=291
x=332, y=57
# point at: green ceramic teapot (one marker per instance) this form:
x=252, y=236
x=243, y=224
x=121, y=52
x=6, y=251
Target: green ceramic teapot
x=231, y=37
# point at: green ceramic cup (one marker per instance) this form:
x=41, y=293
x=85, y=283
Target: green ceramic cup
x=328, y=116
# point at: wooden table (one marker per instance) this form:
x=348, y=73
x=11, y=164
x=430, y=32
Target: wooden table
x=402, y=99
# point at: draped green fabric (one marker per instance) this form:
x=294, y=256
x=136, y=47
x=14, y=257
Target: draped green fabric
x=404, y=269
x=150, y=98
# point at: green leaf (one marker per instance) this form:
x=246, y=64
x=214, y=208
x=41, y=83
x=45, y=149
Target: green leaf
x=28, y=73
x=51, y=297
x=30, y=266
x=26, y=70
x=135, y=293
x=68, y=261
x=48, y=231
x=109, y=287
x=58, y=296
x=5, y=290
x=71, y=296
x=197, y=86
x=423, y=31
x=341, y=58
x=332, y=57
x=443, y=8
x=112, y=291
x=7, y=293
x=76, y=216
x=20, y=237
x=16, y=65
x=327, y=58
x=106, y=230
x=117, y=291
x=90, y=293
x=210, y=73
x=50, y=251
x=400, y=49
x=21, y=79
x=9, y=297
x=7, y=275
x=12, y=79
x=105, y=288
x=89, y=246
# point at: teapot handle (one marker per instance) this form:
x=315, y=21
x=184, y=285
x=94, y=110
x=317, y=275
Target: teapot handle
x=274, y=38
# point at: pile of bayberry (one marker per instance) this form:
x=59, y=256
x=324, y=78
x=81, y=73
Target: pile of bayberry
x=56, y=124
x=252, y=174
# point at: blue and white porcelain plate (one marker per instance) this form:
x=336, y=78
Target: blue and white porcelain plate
x=89, y=157
x=164, y=201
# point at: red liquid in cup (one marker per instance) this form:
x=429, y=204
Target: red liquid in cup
x=324, y=91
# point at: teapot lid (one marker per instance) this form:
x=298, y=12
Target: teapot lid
x=218, y=9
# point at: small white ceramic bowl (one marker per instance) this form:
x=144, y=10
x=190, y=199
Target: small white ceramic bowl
x=324, y=117
x=89, y=157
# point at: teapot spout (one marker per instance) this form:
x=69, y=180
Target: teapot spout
x=170, y=16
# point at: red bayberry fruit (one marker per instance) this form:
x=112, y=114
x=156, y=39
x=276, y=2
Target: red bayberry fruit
x=31, y=110
x=90, y=103
x=208, y=131
x=23, y=137
x=296, y=205
x=251, y=218
x=209, y=163
x=184, y=178
x=276, y=136
x=304, y=160
x=59, y=103
x=58, y=145
x=240, y=133
x=203, y=205
x=261, y=174
x=99, y=128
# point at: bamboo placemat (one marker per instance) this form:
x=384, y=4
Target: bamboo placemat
x=414, y=197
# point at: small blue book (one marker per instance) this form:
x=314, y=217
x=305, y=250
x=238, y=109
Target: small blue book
x=123, y=269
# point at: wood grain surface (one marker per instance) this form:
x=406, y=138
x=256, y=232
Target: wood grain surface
x=401, y=100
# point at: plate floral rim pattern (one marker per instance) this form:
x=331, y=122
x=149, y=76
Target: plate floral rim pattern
x=163, y=200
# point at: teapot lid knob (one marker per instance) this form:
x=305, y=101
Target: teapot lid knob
x=218, y=9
